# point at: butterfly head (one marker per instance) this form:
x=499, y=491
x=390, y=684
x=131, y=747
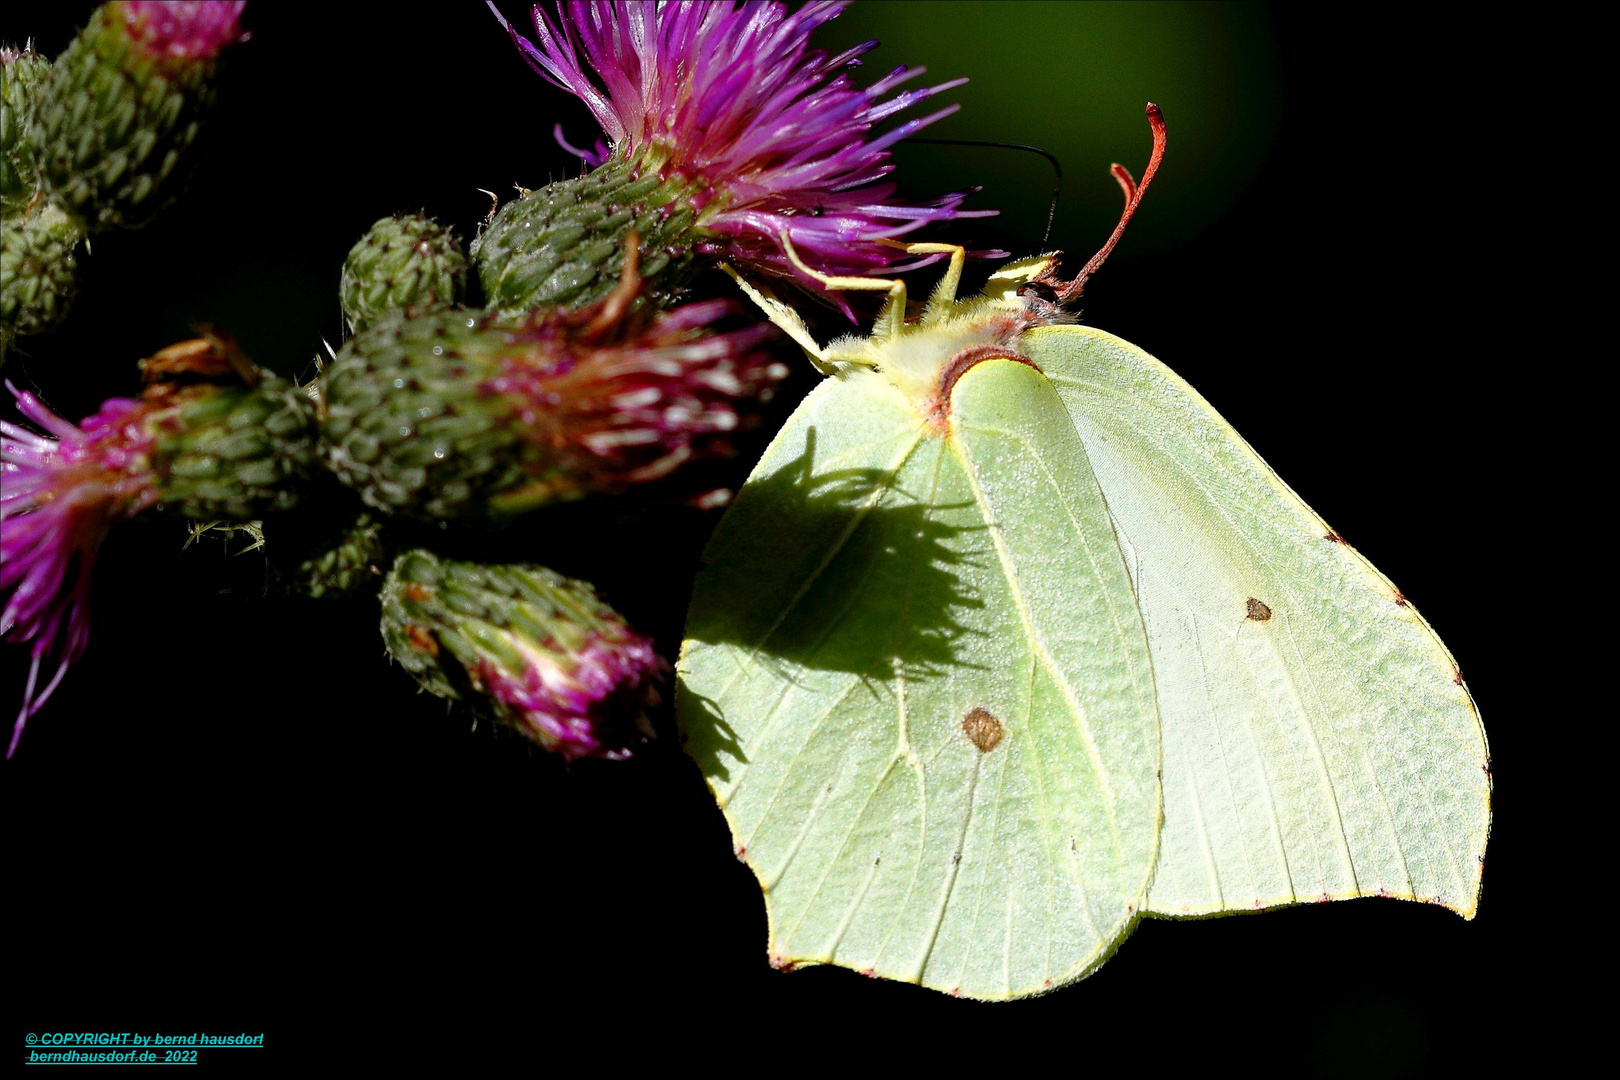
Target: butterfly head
x=923, y=356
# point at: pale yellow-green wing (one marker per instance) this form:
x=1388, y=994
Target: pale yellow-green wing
x=1318, y=740
x=916, y=680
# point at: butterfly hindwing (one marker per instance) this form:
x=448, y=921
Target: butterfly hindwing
x=916, y=680
x=1318, y=740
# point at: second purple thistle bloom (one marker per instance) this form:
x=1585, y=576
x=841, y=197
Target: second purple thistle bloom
x=726, y=132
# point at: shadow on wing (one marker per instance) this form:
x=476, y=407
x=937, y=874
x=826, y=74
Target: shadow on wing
x=839, y=570
x=850, y=569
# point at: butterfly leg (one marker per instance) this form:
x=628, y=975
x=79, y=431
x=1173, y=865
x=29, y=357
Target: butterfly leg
x=943, y=298
x=890, y=321
x=785, y=318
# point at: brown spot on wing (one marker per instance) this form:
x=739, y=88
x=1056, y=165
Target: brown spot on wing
x=982, y=729
x=1333, y=535
x=1259, y=611
x=1400, y=598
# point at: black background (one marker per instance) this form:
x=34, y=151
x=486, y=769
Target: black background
x=234, y=815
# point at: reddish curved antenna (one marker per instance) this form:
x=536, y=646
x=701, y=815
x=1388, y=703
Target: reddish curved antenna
x=1133, y=199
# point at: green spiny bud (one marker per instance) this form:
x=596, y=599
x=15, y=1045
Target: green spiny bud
x=454, y=413
x=351, y=564
x=38, y=270
x=234, y=448
x=403, y=261
x=124, y=101
x=565, y=243
x=536, y=649
x=236, y=452
x=21, y=71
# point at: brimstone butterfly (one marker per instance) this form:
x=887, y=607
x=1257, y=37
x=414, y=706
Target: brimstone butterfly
x=1010, y=640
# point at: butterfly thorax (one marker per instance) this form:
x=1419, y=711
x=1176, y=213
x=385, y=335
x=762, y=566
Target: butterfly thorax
x=924, y=356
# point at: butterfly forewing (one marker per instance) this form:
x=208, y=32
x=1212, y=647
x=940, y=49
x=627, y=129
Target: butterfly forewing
x=1318, y=741
x=916, y=680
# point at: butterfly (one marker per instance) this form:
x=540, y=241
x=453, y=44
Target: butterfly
x=1010, y=641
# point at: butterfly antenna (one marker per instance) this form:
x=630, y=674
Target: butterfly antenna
x=1133, y=198
x=1057, y=169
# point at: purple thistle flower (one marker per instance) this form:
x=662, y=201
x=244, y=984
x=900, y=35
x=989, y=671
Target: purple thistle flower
x=182, y=31
x=60, y=496
x=179, y=446
x=621, y=400
x=776, y=134
x=591, y=702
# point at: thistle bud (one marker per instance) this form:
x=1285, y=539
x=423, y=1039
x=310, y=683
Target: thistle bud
x=346, y=565
x=124, y=101
x=21, y=72
x=38, y=270
x=536, y=649
x=454, y=414
x=403, y=261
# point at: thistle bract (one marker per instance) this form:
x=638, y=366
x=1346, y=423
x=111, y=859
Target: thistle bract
x=403, y=261
x=453, y=414
x=728, y=132
x=124, y=101
x=536, y=649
